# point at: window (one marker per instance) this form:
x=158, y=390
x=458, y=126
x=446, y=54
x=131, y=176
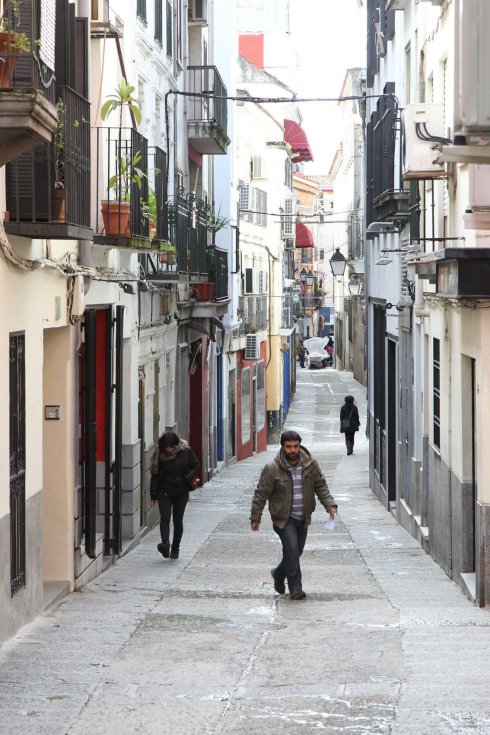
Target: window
x=159, y=21
x=260, y=396
x=245, y=404
x=436, y=381
x=141, y=9
x=261, y=207
x=169, y=28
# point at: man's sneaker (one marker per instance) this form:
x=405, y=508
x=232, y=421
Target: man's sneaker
x=297, y=595
x=164, y=550
x=174, y=554
x=279, y=585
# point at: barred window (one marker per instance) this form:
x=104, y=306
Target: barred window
x=141, y=9
x=436, y=381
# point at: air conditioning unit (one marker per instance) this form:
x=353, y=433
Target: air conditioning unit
x=198, y=11
x=258, y=167
x=245, y=201
x=478, y=215
x=252, y=347
x=472, y=92
x=422, y=156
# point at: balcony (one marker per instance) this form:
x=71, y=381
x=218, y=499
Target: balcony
x=27, y=90
x=252, y=310
x=48, y=188
x=386, y=197
x=207, y=115
x=186, y=250
x=121, y=197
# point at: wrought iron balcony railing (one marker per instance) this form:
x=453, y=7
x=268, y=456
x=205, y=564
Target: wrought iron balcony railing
x=121, y=193
x=207, y=111
x=48, y=188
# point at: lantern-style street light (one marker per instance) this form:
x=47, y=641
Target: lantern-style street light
x=355, y=285
x=338, y=263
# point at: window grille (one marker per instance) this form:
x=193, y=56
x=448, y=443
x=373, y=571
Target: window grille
x=141, y=9
x=436, y=401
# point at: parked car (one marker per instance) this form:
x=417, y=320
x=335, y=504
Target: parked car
x=317, y=357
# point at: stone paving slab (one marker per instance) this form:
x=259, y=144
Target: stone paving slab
x=384, y=643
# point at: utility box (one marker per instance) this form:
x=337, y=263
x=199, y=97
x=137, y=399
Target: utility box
x=472, y=62
x=422, y=155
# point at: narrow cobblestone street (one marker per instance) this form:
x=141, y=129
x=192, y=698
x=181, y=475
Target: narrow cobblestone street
x=384, y=642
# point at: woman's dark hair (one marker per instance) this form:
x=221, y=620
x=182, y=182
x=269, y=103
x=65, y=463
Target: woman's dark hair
x=290, y=436
x=169, y=439
x=349, y=399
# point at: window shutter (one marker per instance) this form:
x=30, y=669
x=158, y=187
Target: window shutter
x=48, y=32
x=249, y=280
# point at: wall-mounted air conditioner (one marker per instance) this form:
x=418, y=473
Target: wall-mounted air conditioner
x=423, y=124
x=472, y=61
x=252, y=347
x=198, y=11
x=477, y=217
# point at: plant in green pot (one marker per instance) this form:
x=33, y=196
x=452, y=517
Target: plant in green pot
x=149, y=212
x=116, y=210
x=168, y=253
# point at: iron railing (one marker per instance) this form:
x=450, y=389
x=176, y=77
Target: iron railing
x=122, y=180
x=287, y=312
x=212, y=106
x=52, y=182
x=218, y=271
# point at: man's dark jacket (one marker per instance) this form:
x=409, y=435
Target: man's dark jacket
x=276, y=486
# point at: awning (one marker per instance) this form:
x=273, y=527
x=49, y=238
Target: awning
x=194, y=156
x=296, y=137
x=304, y=237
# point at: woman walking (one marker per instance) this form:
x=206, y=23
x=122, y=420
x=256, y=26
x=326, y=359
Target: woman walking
x=349, y=422
x=173, y=467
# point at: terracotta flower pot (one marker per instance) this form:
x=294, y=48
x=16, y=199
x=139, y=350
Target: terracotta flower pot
x=7, y=59
x=115, y=216
x=58, y=206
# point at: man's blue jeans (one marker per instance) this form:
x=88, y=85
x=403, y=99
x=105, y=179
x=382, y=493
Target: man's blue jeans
x=293, y=538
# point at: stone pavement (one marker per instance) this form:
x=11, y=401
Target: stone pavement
x=384, y=643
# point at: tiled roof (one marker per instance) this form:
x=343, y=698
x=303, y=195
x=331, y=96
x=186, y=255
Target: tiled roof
x=324, y=182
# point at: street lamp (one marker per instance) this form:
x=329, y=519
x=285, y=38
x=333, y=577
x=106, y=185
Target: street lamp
x=338, y=263
x=309, y=278
x=302, y=275
x=355, y=285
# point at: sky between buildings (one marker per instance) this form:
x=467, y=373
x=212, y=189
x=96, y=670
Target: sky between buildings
x=330, y=35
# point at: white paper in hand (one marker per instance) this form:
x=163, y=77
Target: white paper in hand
x=330, y=523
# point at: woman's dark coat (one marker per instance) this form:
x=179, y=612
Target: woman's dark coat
x=345, y=412
x=171, y=475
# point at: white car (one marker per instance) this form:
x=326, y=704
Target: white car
x=317, y=357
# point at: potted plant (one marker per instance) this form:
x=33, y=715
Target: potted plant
x=149, y=211
x=12, y=43
x=116, y=211
x=168, y=253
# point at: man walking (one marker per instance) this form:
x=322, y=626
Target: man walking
x=290, y=484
